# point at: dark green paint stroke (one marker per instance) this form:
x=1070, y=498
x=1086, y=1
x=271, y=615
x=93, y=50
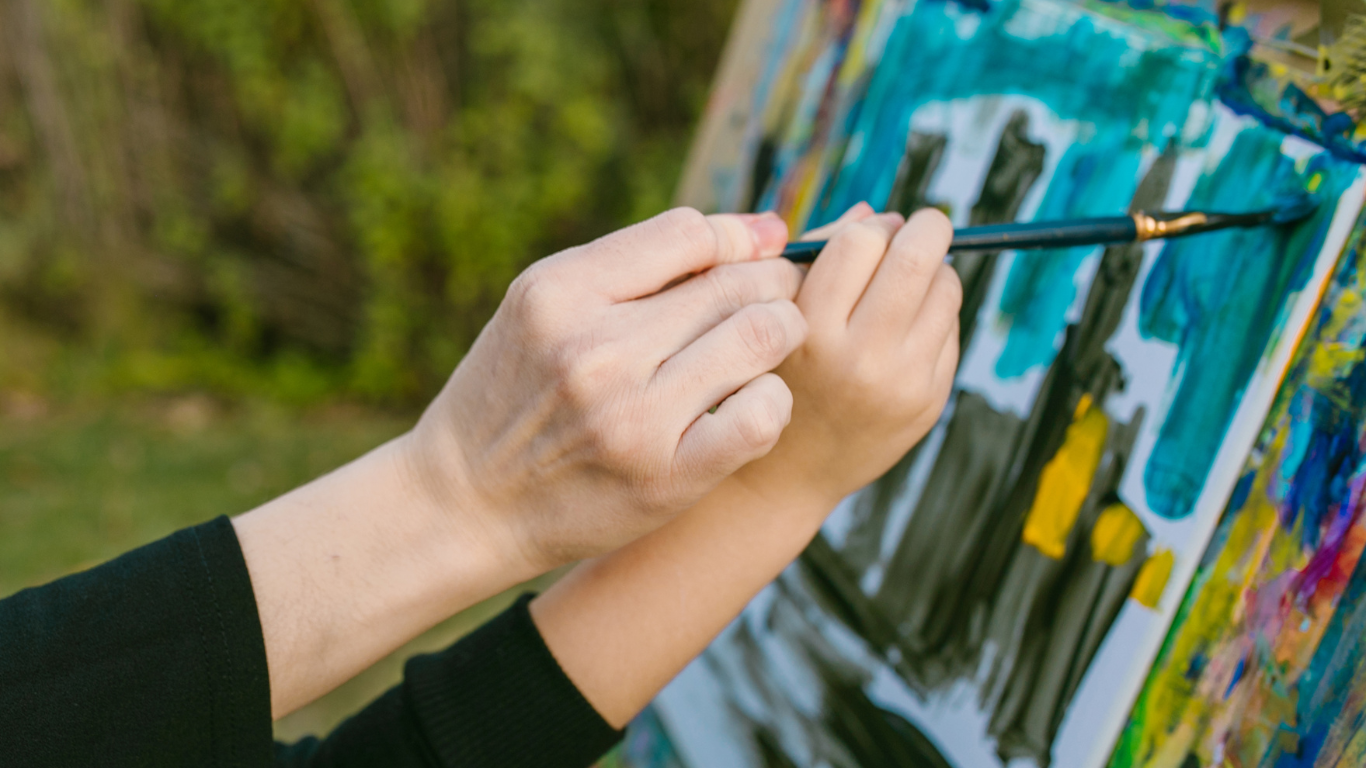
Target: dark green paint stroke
x=1096, y=178
x=1218, y=297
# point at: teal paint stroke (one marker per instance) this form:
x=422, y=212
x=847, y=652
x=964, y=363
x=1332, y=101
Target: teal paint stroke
x=1219, y=298
x=1095, y=178
x=1125, y=84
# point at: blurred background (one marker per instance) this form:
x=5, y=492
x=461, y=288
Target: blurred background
x=244, y=241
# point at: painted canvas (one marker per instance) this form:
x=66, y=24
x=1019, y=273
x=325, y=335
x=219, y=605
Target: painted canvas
x=1264, y=664
x=999, y=596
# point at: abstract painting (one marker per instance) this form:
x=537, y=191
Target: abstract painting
x=1266, y=662
x=999, y=596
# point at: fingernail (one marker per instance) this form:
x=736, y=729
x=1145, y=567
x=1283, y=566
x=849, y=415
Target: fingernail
x=770, y=233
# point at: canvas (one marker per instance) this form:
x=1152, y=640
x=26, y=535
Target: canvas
x=1264, y=663
x=999, y=596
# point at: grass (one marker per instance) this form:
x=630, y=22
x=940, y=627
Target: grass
x=79, y=486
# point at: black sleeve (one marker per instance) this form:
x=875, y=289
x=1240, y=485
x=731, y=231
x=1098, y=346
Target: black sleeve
x=152, y=659
x=157, y=659
x=496, y=698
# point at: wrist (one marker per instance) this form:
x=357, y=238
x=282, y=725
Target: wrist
x=352, y=565
x=437, y=489
x=785, y=480
x=776, y=488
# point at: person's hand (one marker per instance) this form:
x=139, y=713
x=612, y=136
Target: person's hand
x=605, y=395
x=879, y=359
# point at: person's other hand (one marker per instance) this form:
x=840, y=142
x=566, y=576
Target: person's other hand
x=879, y=360
x=617, y=384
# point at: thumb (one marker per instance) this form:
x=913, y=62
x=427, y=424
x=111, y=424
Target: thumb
x=642, y=259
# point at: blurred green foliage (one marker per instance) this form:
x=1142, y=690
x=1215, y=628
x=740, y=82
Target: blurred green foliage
x=83, y=485
x=315, y=199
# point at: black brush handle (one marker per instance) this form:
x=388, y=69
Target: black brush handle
x=1046, y=234
x=1001, y=237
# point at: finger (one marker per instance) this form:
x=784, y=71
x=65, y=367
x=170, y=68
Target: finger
x=675, y=318
x=858, y=212
x=937, y=316
x=946, y=367
x=941, y=387
x=643, y=258
x=750, y=342
x=745, y=427
x=840, y=274
x=913, y=261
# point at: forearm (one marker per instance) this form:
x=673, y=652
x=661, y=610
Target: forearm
x=622, y=626
x=351, y=566
x=497, y=698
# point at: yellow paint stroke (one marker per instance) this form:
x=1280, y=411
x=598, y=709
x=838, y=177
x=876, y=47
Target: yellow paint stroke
x=1177, y=712
x=1116, y=532
x=1152, y=579
x=1065, y=481
x=1333, y=351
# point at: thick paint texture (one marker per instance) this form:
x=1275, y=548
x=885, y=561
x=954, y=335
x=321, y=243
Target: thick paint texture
x=1065, y=482
x=1217, y=298
x=1080, y=67
x=1118, y=530
x=1094, y=178
x=1264, y=665
x=982, y=603
x=1152, y=579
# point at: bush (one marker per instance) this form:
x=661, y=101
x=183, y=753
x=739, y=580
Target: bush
x=315, y=198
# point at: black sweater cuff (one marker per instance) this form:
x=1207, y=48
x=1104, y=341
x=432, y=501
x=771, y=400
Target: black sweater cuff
x=498, y=697
x=153, y=659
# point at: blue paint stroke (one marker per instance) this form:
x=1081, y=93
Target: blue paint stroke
x=1081, y=67
x=1317, y=488
x=1316, y=473
x=1218, y=297
x=1095, y=178
x=1237, y=675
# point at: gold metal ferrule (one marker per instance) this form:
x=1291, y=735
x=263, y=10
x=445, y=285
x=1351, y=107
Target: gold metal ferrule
x=1152, y=228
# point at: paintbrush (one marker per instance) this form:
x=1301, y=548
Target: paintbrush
x=1111, y=230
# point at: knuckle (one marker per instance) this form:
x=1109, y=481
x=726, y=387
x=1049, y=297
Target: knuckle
x=530, y=285
x=730, y=289
x=780, y=278
x=921, y=255
x=863, y=236
x=614, y=444
x=532, y=297
x=763, y=332
x=582, y=378
x=576, y=391
x=761, y=423
x=689, y=226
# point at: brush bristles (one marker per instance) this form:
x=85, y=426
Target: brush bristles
x=1343, y=66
